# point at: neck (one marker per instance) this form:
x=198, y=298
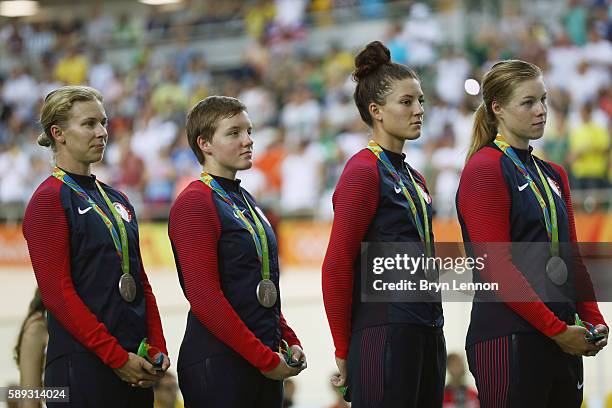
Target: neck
x=513, y=139
x=73, y=166
x=389, y=142
x=216, y=170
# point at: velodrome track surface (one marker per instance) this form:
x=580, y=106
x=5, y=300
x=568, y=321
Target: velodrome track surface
x=303, y=309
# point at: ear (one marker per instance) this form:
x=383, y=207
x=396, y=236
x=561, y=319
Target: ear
x=497, y=108
x=375, y=111
x=58, y=134
x=203, y=145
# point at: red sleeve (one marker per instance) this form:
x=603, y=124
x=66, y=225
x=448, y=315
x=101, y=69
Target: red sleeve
x=194, y=230
x=45, y=229
x=587, y=310
x=287, y=332
x=484, y=204
x=155, y=332
x=355, y=202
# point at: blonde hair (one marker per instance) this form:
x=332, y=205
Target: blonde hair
x=498, y=85
x=56, y=109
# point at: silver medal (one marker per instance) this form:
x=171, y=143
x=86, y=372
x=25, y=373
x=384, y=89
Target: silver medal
x=127, y=287
x=556, y=269
x=266, y=293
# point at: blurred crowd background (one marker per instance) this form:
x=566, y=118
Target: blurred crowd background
x=290, y=62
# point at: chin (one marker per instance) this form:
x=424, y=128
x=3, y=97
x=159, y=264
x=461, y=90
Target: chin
x=413, y=136
x=537, y=135
x=245, y=166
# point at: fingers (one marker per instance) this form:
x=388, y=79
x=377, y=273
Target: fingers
x=145, y=384
x=148, y=367
x=166, y=364
x=337, y=380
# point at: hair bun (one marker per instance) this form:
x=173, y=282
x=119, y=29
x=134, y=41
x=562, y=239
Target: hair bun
x=370, y=59
x=43, y=140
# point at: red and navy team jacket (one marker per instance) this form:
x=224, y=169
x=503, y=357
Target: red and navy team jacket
x=78, y=270
x=219, y=270
x=494, y=204
x=368, y=208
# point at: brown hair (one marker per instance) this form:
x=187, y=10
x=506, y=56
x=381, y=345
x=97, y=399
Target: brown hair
x=36, y=306
x=56, y=109
x=203, y=118
x=498, y=84
x=375, y=75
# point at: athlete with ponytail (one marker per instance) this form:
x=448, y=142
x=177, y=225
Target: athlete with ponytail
x=388, y=353
x=524, y=349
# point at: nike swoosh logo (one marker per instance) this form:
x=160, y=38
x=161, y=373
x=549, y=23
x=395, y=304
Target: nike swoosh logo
x=83, y=211
x=524, y=186
x=580, y=385
x=398, y=189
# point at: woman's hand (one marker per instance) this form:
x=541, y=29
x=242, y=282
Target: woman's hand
x=282, y=370
x=573, y=341
x=339, y=380
x=138, y=372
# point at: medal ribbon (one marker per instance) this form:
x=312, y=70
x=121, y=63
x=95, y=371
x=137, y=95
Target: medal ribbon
x=382, y=156
x=120, y=240
x=550, y=218
x=259, y=238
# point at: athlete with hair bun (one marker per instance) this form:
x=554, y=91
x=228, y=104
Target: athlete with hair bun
x=388, y=353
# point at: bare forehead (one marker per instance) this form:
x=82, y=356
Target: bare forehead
x=240, y=120
x=406, y=87
x=83, y=109
x=530, y=88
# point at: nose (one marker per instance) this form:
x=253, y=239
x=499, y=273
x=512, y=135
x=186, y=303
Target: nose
x=248, y=141
x=542, y=108
x=419, y=109
x=101, y=131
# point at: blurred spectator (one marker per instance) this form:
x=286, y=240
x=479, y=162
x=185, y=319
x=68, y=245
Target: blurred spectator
x=301, y=179
x=169, y=96
x=15, y=164
x=575, y=20
x=99, y=26
x=588, y=151
x=101, y=71
x=261, y=103
x=21, y=91
x=126, y=31
x=393, y=39
x=452, y=70
x=300, y=117
x=447, y=161
x=422, y=34
x=30, y=350
x=72, y=68
x=197, y=74
x=585, y=84
x=166, y=392
x=456, y=393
